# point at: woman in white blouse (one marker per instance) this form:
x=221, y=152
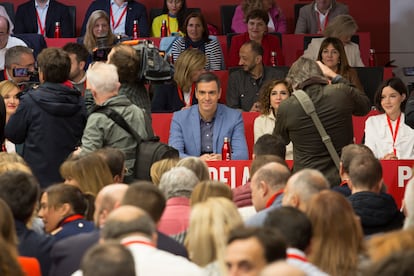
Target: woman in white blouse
x=386, y=134
x=271, y=95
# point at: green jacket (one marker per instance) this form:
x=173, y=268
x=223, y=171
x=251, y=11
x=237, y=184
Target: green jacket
x=101, y=131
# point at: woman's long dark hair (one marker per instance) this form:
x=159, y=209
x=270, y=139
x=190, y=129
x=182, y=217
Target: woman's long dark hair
x=181, y=15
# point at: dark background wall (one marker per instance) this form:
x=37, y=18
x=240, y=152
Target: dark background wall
x=371, y=15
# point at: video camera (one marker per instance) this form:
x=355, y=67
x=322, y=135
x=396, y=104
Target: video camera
x=154, y=64
x=24, y=72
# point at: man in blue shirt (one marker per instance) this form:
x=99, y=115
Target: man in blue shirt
x=200, y=129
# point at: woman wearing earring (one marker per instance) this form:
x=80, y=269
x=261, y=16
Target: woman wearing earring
x=272, y=94
x=332, y=54
x=386, y=134
x=63, y=208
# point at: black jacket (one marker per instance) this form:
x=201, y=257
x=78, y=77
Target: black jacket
x=26, y=19
x=378, y=212
x=409, y=111
x=50, y=120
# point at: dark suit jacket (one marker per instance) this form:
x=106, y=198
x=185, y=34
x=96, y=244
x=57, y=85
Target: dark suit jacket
x=66, y=255
x=135, y=11
x=26, y=19
x=32, y=244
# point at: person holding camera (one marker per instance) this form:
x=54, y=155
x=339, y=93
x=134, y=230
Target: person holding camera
x=19, y=66
x=50, y=118
x=127, y=62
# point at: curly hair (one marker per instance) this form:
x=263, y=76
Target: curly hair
x=265, y=92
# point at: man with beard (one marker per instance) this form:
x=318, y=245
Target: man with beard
x=244, y=85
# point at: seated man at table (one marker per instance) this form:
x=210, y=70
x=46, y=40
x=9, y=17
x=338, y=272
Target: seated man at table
x=200, y=129
x=244, y=85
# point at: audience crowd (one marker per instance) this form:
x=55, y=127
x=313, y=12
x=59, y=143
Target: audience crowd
x=70, y=203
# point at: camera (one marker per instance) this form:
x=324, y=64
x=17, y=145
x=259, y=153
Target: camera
x=100, y=53
x=23, y=72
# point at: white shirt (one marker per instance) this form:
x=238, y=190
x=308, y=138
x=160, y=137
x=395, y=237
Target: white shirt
x=150, y=261
x=42, y=12
x=264, y=124
x=379, y=139
x=13, y=41
x=117, y=12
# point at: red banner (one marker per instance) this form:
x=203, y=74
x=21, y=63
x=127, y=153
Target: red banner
x=395, y=174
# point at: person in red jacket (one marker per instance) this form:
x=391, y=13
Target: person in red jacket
x=257, y=21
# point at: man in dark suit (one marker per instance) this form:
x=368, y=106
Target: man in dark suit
x=40, y=17
x=122, y=14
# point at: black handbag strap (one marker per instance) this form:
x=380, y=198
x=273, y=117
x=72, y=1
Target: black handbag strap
x=309, y=108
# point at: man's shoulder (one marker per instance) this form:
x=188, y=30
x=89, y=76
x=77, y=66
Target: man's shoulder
x=224, y=110
x=136, y=5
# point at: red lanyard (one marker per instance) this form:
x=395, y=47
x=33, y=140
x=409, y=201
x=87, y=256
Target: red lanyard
x=39, y=23
x=273, y=198
x=114, y=26
x=138, y=242
x=70, y=218
x=298, y=257
x=6, y=77
x=319, y=21
x=181, y=95
x=394, y=132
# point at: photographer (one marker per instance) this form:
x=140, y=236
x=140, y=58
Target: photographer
x=49, y=119
x=127, y=62
x=19, y=64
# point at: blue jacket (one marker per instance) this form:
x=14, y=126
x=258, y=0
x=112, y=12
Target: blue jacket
x=26, y=19
x=32, y=244
x=228, y=122
x=49, y=121
x=73, y=228
x=135, y=11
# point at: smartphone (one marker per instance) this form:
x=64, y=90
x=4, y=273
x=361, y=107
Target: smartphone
x=20, y=72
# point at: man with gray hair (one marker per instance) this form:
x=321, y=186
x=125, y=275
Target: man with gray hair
x=177, y=185
x=101, y=131
x=6, y=40
x=335, y=102
x=19, y=59
x=302, y=186
x=134, y=228
x=267, y=187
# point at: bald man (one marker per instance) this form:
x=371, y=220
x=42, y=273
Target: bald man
x=302, y=186
x=267, y=187
x=134, y=228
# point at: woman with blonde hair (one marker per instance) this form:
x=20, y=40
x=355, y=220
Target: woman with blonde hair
x=9, y=91
x=198, y=166
x=210, y=223
x=88, y=172
x=181, y=93
x=160, y=167
x=210, y=188
x=98, y=31
x=337, y=241
x=382, y=245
